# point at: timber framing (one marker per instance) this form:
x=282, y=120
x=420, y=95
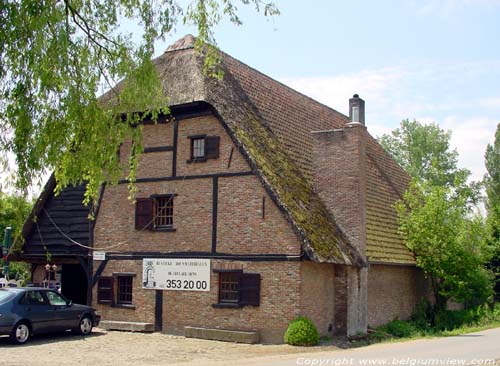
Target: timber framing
x=215, y=205
x=157, y=149
x=207, y=255
x=187, y=177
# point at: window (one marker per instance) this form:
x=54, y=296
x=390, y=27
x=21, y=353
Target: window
x=228, y=287
x=198, y=148
x=124, y=290
x=164, y=209
x=238, y=289
x=33, y=298
x=155, y=213
x=55, y=299
x=116, y=290
x=204, y=147
x=105, y=290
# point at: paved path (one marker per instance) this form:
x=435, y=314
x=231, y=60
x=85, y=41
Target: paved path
x=482, y=348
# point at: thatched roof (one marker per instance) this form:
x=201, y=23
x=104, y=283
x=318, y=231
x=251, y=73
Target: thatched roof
x=271, y=124
x=180, y=69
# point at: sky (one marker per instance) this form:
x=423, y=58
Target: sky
x=429, y=60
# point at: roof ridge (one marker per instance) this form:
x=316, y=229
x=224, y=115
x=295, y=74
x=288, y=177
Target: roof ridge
x=183, y=43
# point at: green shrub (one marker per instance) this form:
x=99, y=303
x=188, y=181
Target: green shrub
x=491, y=314
x=401, y=329
x=423, y=315
x=452, y=319
x=301, y=332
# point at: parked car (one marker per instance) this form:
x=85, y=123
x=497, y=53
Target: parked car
x=25, y=311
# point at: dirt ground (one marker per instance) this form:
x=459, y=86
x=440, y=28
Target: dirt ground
x=124, y=348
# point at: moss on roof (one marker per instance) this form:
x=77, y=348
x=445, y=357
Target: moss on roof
x=322, y=240
x=384, y=243
x=271, y=125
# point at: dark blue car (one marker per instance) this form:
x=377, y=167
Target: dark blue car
x=32, y=310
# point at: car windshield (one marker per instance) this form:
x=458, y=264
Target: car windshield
x=5, y=295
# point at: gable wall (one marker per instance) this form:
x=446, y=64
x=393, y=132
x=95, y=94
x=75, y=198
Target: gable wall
x=248, y=221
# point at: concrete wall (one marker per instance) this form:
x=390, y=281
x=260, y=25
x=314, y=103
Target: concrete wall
x=350, y=300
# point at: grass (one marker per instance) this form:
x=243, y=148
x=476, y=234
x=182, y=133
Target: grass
x=449, y=323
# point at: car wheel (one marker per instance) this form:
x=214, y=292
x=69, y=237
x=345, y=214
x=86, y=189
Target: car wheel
x=85, y=325
x=20, y=333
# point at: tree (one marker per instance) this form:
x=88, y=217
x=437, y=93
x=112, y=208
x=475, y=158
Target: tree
x=436, y=214
x=424, y=152
x=56, y=56
x=492, y=184
x=14, y=210
x=448, y=242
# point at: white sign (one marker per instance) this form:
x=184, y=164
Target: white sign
x=176, y=274
x=99, y=256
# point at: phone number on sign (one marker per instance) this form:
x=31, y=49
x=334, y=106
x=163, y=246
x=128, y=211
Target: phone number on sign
x=186, y=284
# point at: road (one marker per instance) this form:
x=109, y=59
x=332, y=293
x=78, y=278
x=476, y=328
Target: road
x=482, y=348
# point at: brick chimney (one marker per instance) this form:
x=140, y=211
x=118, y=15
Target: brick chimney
x=339, y=160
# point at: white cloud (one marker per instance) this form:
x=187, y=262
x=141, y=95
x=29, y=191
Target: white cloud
x=470, y=137
x=377, y=86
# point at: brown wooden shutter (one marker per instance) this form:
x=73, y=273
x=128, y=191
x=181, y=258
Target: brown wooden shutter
x=250, y=289
x=212, y=147
x=105, y=290
x=143, y=213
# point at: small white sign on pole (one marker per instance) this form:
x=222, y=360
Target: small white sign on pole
x=99, y=256
x=176, y=274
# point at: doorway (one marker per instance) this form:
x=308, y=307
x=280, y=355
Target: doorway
x=74, y=283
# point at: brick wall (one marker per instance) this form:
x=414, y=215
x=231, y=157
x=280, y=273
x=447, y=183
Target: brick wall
x=209, y=126
x=249, y=222
x=393, y=292
x=340, y=178
x=357, y=283
x=279, y=301
x=143, y=300
x=38, y=274
x=317, y=294
x=339, y=162
x=241, y=226
x=159, y=164
x=192, y=218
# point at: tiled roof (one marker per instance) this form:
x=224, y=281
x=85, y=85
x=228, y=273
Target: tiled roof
x=292, y=116
x=385, y=184
x=289, y=114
